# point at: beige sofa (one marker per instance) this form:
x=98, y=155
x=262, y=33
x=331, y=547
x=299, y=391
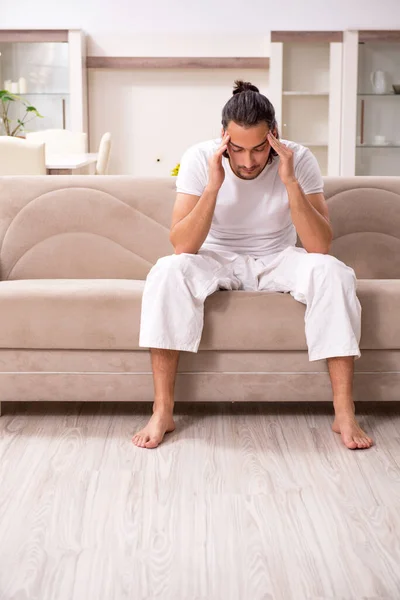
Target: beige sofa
x=74, y=255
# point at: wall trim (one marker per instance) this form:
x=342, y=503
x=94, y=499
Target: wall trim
x=33, y=35
x=307, y=36
x=379, y=36
x=137, y=62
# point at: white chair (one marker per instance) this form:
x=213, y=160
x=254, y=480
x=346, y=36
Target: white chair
x=19, y=157
x=104, y=154
x=60, y=141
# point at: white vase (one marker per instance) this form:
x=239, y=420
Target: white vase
x=379, y=81
x=22, y=85
x=14, y=87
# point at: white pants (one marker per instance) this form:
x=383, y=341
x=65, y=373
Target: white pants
x=177, y=286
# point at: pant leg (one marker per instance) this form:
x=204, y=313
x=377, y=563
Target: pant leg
x=173, y=299
x=328, y=288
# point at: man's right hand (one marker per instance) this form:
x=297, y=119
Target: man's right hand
x=216, y=172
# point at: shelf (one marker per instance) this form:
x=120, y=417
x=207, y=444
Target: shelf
x=380, y=95
x=44, y=94
x=286, y=93
x=378, y=146
x=313, y=144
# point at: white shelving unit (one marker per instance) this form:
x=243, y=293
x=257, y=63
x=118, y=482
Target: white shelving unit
x=305, y=88
x=370, y=120
x=53, y=65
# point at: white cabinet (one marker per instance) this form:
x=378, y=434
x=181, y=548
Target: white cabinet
x=371, y=108
x=305, y=88
x=47, y=68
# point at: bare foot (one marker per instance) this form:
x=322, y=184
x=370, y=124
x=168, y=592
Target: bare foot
x=352, y=435
x=152, y=435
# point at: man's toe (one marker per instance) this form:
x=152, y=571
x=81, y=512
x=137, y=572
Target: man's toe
x=350, y=442
x=152, y=443
x=367, y=442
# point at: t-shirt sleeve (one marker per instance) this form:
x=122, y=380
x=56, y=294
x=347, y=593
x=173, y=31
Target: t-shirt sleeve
x=308, y=173
x=193, y=173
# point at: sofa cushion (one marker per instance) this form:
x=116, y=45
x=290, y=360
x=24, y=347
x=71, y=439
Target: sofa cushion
x=104, y=314
x=265, y=321
x=70, y=313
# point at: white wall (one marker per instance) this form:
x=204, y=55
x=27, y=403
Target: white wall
x=155, y=115
x=205, y=16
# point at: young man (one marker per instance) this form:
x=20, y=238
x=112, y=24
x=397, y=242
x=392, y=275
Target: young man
x=240, y=203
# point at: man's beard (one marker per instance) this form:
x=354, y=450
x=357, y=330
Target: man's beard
x=245, y=174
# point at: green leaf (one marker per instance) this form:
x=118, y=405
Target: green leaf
x=34, y=110
x=10, y=94
x=7, y=99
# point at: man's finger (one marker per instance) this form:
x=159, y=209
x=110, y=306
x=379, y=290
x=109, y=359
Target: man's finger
x=218, y=155
x=277, y=145
x=273, y=141
x=221, y=150
x=225, y=140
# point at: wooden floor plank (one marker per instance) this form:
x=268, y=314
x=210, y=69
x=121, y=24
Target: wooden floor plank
x=241, y=502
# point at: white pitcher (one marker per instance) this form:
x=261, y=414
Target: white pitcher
x=379, y=82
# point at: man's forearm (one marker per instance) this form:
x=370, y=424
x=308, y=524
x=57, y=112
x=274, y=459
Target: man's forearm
x=313, y=229
x=189, y=234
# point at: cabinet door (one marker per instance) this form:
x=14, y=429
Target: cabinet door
x=47, y=69
x=378, y=107
x=37, y=72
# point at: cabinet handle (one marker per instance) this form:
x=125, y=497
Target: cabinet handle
x=362, y=121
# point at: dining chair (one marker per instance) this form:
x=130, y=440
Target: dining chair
x=103, y=157
x=19, y=157
x=60, y=141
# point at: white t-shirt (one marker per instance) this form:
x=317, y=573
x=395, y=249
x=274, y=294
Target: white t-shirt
x=251, y=216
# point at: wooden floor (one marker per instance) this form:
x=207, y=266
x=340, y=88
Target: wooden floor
x=243, y=502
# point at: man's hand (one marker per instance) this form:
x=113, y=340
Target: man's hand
x=286, y=160
x=216, y=172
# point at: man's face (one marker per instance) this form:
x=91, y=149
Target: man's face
x=248, y=149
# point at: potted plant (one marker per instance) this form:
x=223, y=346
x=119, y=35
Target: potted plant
x=14, y=127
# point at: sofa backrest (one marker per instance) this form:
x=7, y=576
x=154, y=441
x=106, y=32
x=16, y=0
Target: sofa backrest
x=365, y=215
x=118, y=226
x=96, y=227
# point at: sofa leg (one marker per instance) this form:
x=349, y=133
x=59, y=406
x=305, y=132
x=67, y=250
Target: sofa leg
x=0, y=409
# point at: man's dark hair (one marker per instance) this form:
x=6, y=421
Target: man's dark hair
x=247, y=108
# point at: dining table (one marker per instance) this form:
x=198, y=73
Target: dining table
x=71, y=164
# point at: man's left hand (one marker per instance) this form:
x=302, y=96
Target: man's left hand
x=286, y=160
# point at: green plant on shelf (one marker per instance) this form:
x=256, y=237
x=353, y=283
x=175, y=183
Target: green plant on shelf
x=13, y=127
x=175, y=170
